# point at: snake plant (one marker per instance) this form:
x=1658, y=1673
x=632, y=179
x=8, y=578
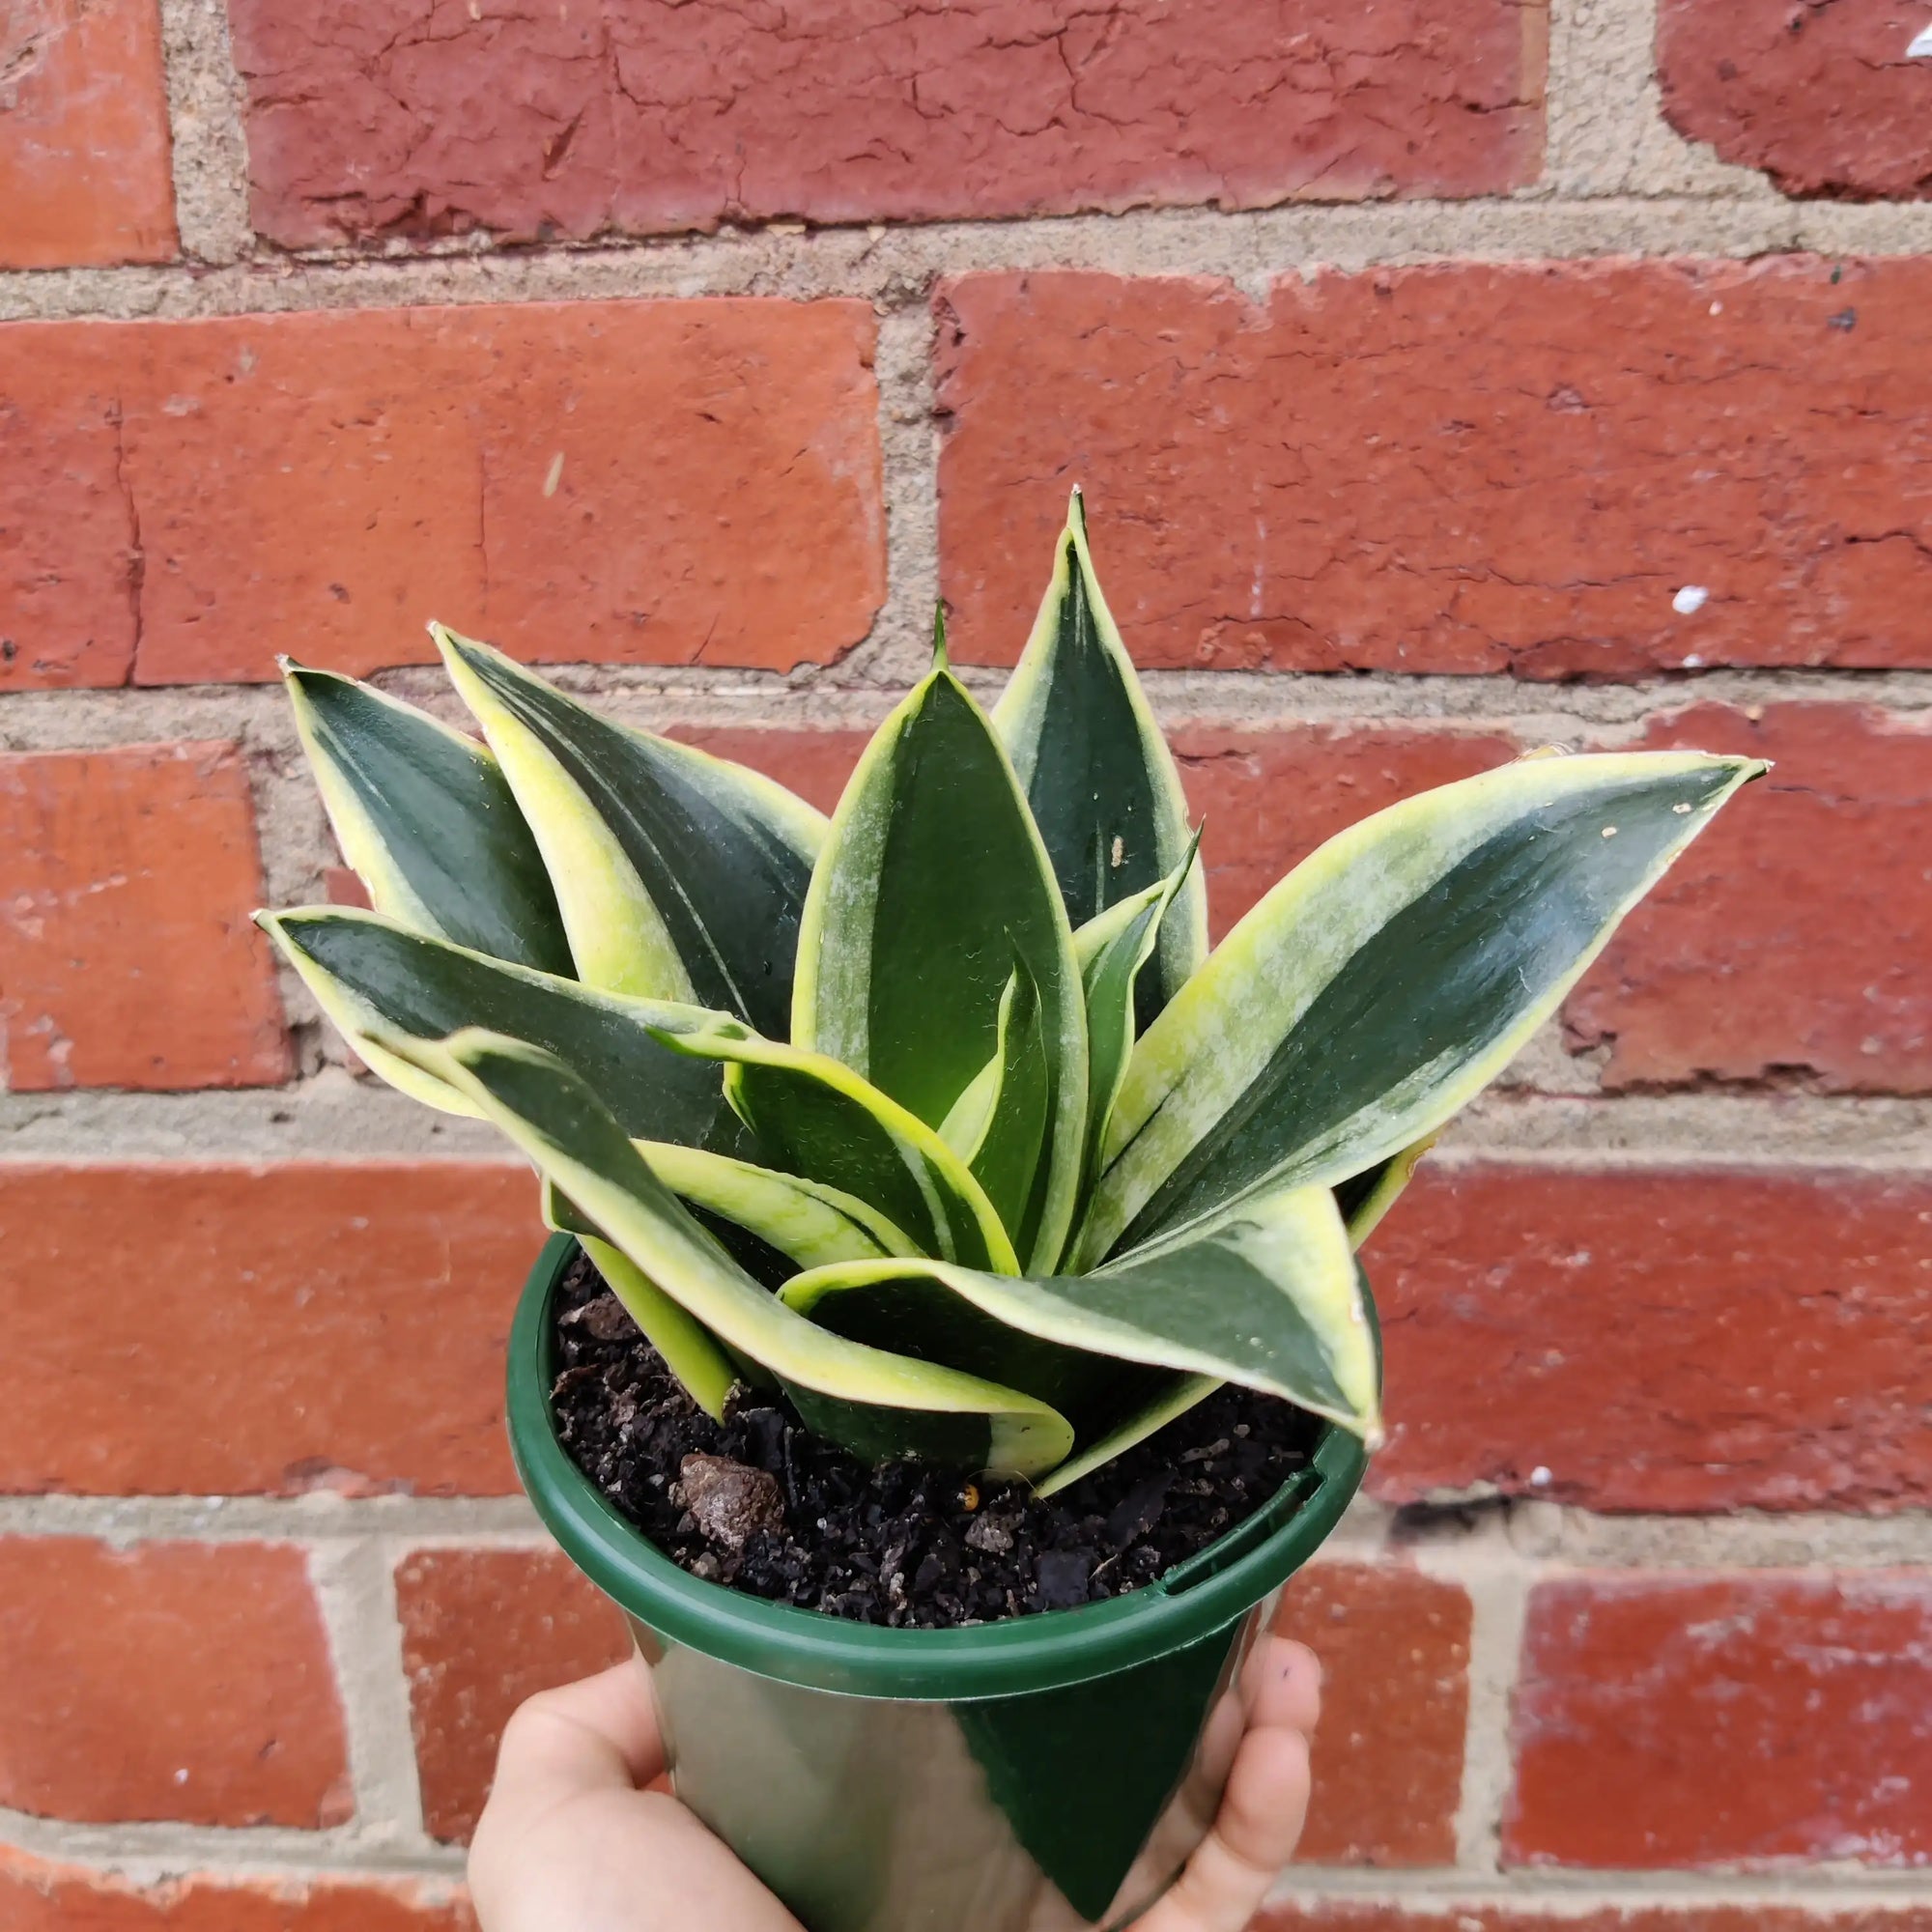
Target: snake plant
x=940, y=1115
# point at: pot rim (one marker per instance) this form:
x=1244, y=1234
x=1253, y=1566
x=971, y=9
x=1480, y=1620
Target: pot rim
x=1012, y=1657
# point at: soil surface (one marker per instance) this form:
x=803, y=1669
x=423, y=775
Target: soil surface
x=757, y=1503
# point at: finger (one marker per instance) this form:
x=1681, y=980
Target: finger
x=598, y=1734
x=1254, y=1835
x=1284, y=1685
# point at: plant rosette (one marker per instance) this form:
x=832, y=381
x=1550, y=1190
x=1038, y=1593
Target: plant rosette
x=938, y=1123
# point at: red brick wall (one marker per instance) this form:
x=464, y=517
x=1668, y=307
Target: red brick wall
x=1446, y=379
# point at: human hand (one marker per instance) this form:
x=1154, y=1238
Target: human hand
x=571, y=1842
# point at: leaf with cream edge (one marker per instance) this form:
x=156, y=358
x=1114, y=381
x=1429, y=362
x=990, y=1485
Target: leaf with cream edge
x=815, y=1118
x=871, y=1402
x=1097, y=775
x=1269, y=1298
x=931, y=879
x=1386, y=981
x=679, y=876
x=811, y=1224
x=375, y=978
x=1113, y=949
x=427, y=821
x=1365, y=1198
x=690, y=1350
x=998, y=1126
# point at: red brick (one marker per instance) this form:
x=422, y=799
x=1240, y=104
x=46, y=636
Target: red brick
x=1455, y=467
x=1395, y=1700
x=1327, y=1916
x=1268, y=798
x=127, y=955
x=1820, y=96
x=632, y=482
x=168, y=1681
x=299, y=1325
x=815, y=764
x=69, y=549
x=1647, y=1339
x=1795, y=938
x=84, y=171
x=483, y=1630
x=654, y=119
x=36, y=1895
x=1696, y=1720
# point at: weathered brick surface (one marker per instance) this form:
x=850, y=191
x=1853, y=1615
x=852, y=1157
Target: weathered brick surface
x=166, y=1681
x=483, y=1630
x=1659, y=1338
x=1696, y=1720
x=126, y=955
x=661, y=117
x=84, y=175
x=1795, y=938
x=69, y=549
x=1395, y=1697
x=1268, y=796
x=1336, y=1915
x=37, y=1895
x=1456, y=468
x=209, y=1327
x=638, y=482
x=1820, y=95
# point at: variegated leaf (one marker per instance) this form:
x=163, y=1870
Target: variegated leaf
x=1097, y=773
x=680, y=876
x=1113, y=948
x=427, y=821
x=872, y=1403
x=813, y=1117
x=373, y=977
x=1269, y=1298
x=811, y=1223
x=689, y=1350
x=931, y=879
x=1386, y=981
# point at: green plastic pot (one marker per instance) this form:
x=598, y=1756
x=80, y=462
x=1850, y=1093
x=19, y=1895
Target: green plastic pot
x=1046, y=1772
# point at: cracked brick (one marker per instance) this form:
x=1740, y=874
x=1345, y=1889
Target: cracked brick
x=1675, y=1340
x=1461, y=468
x=668, y=115
x=1817, y=94
x=632, y=482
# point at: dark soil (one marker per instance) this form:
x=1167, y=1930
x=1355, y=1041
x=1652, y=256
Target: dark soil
x=759, y=1504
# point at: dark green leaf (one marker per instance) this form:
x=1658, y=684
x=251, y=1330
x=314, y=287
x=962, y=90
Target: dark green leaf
x=1097, y=773
x=680, y=876
x=931, y=879
x=427, y=819
x=1387, y=979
